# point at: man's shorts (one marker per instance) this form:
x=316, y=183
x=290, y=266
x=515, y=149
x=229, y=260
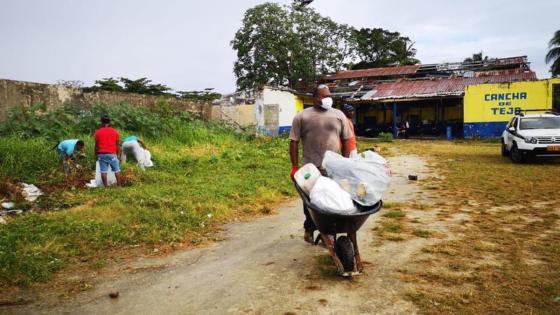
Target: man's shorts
x=106, y=160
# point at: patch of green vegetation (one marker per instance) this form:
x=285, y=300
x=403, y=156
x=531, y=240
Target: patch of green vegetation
x=395, y=214
x=386, y=137
x=422, y=233
x=204, y=173
x=325, y=266
x=392, y=205
x=395, y=238
x=389, y=226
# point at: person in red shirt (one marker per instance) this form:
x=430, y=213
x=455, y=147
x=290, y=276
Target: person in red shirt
x=107, y=149
x=352, y=146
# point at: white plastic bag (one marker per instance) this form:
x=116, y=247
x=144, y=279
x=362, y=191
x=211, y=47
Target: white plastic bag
x=146, y=159
x=110, y=176
x=329, y=196
x=365, y=177
x=306, y=177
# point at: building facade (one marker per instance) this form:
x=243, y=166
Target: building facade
x=489, y=107
x=269, y=109
x=429, y=99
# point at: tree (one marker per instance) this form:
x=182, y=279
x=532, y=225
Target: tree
x=376, y=47
x=320, y=45
x=206, y=95
x=143, y=86
x=140, y=86
x=553, y=55
x=107, y=84
x=262, y=45
x=287, y=46
x=477, y=57
x=403, y=52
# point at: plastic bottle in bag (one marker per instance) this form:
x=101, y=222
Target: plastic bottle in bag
x=306, y=177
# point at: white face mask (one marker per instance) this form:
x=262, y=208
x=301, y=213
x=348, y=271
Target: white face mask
x=327, y=102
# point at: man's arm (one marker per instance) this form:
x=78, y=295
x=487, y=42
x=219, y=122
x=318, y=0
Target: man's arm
x=345, y=135
x=294, y=157
x=143, y=144
x=295, y=133
x=294, y=152
x=345, y=147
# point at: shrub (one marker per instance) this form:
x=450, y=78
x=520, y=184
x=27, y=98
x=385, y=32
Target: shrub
x=70, y=119
x=386, y=137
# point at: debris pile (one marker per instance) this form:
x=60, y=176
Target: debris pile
x=30, y=192
x=11, y=193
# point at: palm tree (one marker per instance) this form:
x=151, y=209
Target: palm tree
x=554, y=54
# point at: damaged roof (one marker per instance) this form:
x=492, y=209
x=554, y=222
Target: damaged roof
x=373, y=72
x=455, y=86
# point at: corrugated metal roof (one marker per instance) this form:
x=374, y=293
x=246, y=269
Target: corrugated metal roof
x=373, y=72
x=511, y=61
x=499, y=72
x=437, y=87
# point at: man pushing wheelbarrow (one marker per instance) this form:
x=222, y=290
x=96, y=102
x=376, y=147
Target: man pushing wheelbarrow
x=322, y=128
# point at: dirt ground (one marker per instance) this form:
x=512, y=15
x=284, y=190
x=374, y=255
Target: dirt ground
x=264, y=267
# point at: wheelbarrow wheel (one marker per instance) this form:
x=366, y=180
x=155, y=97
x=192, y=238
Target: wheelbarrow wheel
x=345, y=252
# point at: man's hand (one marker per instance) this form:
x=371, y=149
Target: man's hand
x=294, y=170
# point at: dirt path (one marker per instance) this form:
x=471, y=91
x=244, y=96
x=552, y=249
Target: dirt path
x=263, y=267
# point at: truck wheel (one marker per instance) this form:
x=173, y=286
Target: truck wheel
x=516, y=155
x=505, y=151
x=345, y=252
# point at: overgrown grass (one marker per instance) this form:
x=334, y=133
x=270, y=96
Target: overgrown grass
x=204, y=173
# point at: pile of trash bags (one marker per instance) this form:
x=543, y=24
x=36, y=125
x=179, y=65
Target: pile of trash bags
x=362, y=178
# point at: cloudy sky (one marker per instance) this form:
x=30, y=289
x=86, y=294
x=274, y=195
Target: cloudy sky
x=185, y=43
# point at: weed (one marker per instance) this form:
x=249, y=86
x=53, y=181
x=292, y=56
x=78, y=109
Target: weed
x=386, y=137
x=395, y=238
x=422, y=233
x=395, y=214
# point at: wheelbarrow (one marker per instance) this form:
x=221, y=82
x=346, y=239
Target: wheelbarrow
x=344, y=248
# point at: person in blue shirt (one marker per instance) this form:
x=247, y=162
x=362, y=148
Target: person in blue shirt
x=132, y=145
x=68, y=150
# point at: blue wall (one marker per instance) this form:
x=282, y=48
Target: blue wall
x=484, y=129
x=284, y=129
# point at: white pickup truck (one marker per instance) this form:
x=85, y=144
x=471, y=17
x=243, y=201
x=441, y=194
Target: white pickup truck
x=528, y=136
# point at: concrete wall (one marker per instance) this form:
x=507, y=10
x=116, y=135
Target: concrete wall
x=16, y=93
x=242, y=115
x=275, y=110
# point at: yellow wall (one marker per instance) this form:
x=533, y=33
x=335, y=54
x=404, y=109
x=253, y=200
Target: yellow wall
x=498, y=102
x=300, y=100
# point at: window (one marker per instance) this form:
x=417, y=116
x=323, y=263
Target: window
x=539, y=123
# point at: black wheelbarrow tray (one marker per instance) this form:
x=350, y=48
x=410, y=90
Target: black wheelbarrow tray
x=344, y=248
